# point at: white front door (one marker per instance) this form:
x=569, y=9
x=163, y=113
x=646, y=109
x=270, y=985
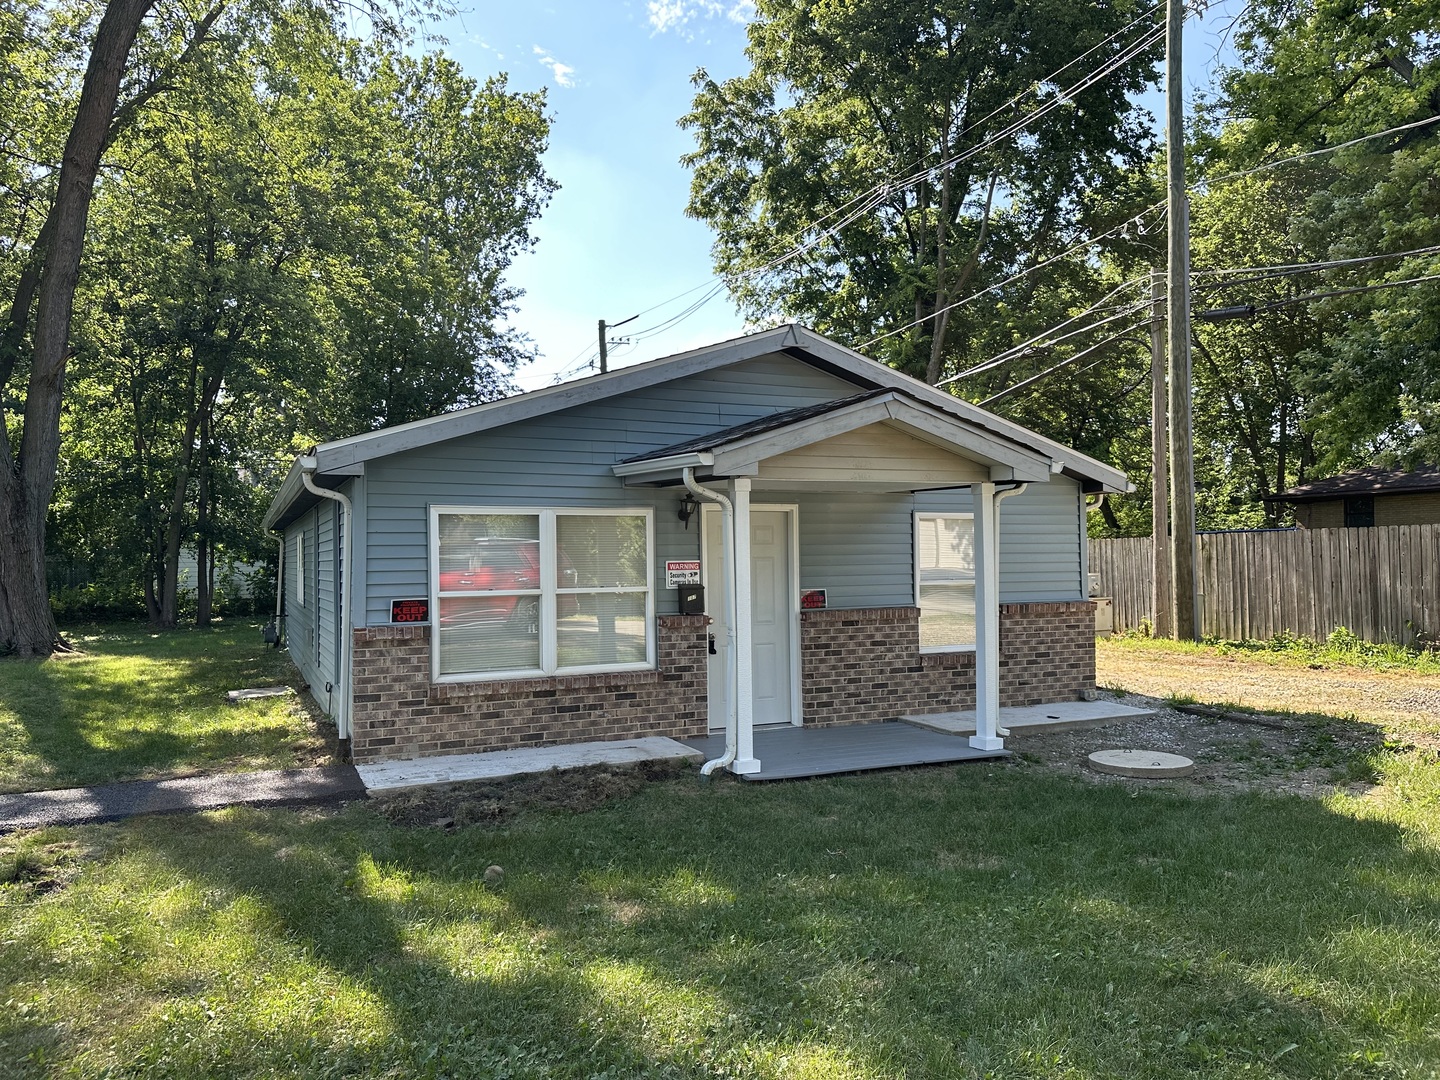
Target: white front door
x=772, y=578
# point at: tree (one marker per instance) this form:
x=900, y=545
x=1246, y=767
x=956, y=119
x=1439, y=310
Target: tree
x=27, y=474
x=310, y=241
x=1318, y=76
x=841, y=98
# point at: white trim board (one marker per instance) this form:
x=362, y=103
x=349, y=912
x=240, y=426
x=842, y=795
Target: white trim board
x=500, y=764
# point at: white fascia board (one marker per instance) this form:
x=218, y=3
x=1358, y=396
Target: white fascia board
x=290, y=487
x=666, y=465
x=853, y=363
x=493, y=414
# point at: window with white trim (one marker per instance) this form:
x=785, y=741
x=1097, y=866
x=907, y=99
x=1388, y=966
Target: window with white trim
x=300, y=567
x=945, y=580
x=540, y=592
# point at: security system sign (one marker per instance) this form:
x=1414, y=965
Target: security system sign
x=682, y=572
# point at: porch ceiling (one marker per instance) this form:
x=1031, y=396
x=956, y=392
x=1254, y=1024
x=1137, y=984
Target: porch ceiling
x=882, y=440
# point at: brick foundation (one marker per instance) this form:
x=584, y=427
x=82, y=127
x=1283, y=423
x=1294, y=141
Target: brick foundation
x=398, y=713
x=857, y=666
x=865, y=665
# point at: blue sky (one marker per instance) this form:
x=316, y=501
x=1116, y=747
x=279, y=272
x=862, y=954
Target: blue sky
x=615, y=239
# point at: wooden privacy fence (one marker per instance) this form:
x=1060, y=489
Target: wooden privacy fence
x=1382, y=583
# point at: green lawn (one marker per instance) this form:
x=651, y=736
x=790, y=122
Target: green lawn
x=132, y=703
x=985, y=920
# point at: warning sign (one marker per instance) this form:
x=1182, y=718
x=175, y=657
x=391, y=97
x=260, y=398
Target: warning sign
x=682, y=572
x=812, y=599
x=409, y=611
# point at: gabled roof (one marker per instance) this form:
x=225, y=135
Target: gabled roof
x=346, y=457
x=745, y=449
x=1370, y=480
x=755, y=427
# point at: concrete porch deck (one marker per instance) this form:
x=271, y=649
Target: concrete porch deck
x=1032, y=719
x=789, y=753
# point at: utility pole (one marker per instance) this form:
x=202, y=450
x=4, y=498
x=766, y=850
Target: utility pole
x=1182, y=464
x=603, y=354
x=1162, y=625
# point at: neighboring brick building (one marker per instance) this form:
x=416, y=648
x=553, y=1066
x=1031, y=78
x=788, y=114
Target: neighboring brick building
x=526, y=573
x=1368, y=497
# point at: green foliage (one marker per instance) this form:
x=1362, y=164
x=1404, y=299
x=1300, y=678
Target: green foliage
x=840, y=98
x=1341, y=648
x=300, y=236
x=1317, y=76
x=132, y=703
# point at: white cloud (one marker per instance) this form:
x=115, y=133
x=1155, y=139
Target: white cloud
x=677, y=15
x=563, y=74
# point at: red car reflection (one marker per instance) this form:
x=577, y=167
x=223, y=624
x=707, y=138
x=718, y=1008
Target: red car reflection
x=497, y=564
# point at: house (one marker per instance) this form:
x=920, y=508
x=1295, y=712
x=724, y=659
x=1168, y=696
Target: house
x=1363, y=498
x=773, y=530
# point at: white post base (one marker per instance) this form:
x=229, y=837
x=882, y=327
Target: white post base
x=745, y=766
x=981, y=742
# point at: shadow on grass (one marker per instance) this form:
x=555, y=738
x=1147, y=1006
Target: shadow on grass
x=136, y=703
x=937, y=923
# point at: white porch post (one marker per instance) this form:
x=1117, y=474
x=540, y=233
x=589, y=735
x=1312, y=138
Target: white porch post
x=987, y=619
x=745, y=761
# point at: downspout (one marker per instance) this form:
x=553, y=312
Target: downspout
x=727, y=560
x=279, y=588
x=307, y=477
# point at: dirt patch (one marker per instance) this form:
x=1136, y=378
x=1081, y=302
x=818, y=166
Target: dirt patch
x=454, y=806
x=1305, y=755
x=1401, y=702
x=1259, y=725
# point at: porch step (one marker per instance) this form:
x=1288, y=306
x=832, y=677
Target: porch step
x=1033, y=719
x=499, y=764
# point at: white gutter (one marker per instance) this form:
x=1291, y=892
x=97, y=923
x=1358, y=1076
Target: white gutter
x=307, y=477
x=727, y=560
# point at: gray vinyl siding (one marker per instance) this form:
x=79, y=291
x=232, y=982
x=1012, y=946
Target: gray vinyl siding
x=311, y=626
x=1042, y=538
x=565, y=459
x=857, y=547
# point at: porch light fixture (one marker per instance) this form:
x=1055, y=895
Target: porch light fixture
x=688, y=506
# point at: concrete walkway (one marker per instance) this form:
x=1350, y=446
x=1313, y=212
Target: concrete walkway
x=111, y=802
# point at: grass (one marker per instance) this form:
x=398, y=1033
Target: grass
x=959, y=922
x=1341, y=649
x=133, y=703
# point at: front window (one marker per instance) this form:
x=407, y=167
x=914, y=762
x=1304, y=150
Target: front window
x=945, y=580
x=541, y=592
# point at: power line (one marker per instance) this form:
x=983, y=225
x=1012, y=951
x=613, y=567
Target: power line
x=1015, y=277
x=1206, y=181
x=1037, y=342
x=1261, y=308
x=877, y=194
x=1266, y=273
x=1067, y=361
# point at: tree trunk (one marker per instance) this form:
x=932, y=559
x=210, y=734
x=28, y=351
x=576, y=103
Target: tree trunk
x=27, y=479
x=204, y=548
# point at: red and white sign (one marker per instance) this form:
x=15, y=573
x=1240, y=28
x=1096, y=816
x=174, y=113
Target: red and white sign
x=682, y=572
x=813, y=599
x=410, y=611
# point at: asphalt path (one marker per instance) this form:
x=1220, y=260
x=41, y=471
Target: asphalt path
x=327, y=786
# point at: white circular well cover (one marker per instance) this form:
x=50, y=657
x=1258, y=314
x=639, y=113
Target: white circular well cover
x=1150, y=763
